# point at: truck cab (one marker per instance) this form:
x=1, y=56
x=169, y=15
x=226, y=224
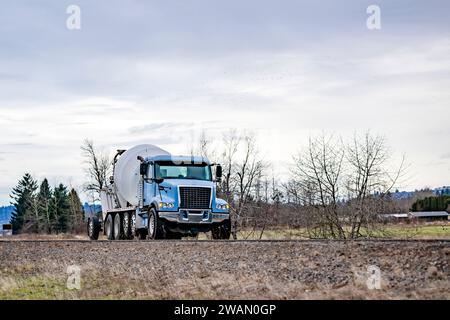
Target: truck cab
x=183, y=194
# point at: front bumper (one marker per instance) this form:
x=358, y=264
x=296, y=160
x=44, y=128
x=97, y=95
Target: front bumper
x=194, y=216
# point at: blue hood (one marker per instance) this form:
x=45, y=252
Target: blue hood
x=187, y=182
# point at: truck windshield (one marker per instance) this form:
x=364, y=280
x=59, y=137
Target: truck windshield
x=169, y=170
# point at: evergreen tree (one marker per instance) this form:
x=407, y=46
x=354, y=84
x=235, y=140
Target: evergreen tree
x=34, y=223
x=46, y=210
x=60, y=208
x=24, y=202
x=76, y=212
x=433, y=203
x=44, y=200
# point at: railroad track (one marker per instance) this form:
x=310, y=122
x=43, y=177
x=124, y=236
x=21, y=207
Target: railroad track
x=230, y=241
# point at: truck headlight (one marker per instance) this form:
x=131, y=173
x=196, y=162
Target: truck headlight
x=225, y=206
x=168, y=205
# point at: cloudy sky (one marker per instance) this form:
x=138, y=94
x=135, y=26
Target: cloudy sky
x=162, y=71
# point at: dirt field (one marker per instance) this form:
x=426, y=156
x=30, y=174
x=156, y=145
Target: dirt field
x=229, y=270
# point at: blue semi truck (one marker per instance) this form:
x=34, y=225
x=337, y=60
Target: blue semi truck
x=153, y=194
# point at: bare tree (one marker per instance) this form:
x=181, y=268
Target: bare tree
x=248, y=171
x=318, y=173
x=202, y=146
x=342, y=187
x=269, y=206
x=98, y=167
x=231, y=141
x=242, y=172
x=369, y=180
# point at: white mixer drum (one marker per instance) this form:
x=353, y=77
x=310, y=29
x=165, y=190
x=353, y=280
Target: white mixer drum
x=127, y=175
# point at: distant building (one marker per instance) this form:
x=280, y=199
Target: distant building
x=429, y=215
x=421, y=215
x=394, y=216
x=5, y=229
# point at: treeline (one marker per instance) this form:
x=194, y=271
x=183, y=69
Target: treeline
x=440, y=203
x=40, y=209
x=337, y=186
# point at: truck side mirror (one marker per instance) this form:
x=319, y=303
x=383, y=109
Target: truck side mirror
x=143, y=169
x=218, y=172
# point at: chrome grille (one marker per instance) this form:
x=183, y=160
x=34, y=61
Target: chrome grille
x=195, y=197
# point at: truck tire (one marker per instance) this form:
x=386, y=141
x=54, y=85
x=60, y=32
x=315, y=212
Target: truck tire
x=109, y=226
x=222, y=232
x=128, y=227
x=93, y=228
x=155, y=228
x=118, y=230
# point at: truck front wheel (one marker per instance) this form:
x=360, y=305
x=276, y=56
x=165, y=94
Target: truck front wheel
x=155, y=225
x=222, y=232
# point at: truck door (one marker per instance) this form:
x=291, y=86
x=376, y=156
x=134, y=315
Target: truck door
x=149, y=185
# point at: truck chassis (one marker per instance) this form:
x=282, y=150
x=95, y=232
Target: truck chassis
x=120, y=224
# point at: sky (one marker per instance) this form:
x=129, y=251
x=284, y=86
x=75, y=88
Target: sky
x=162, y=72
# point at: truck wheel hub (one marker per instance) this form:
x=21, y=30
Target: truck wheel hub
x=151, y=225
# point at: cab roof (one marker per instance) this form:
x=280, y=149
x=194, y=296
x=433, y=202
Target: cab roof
x=179, y=159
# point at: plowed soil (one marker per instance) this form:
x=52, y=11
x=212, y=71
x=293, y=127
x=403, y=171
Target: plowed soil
x=226, y=269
